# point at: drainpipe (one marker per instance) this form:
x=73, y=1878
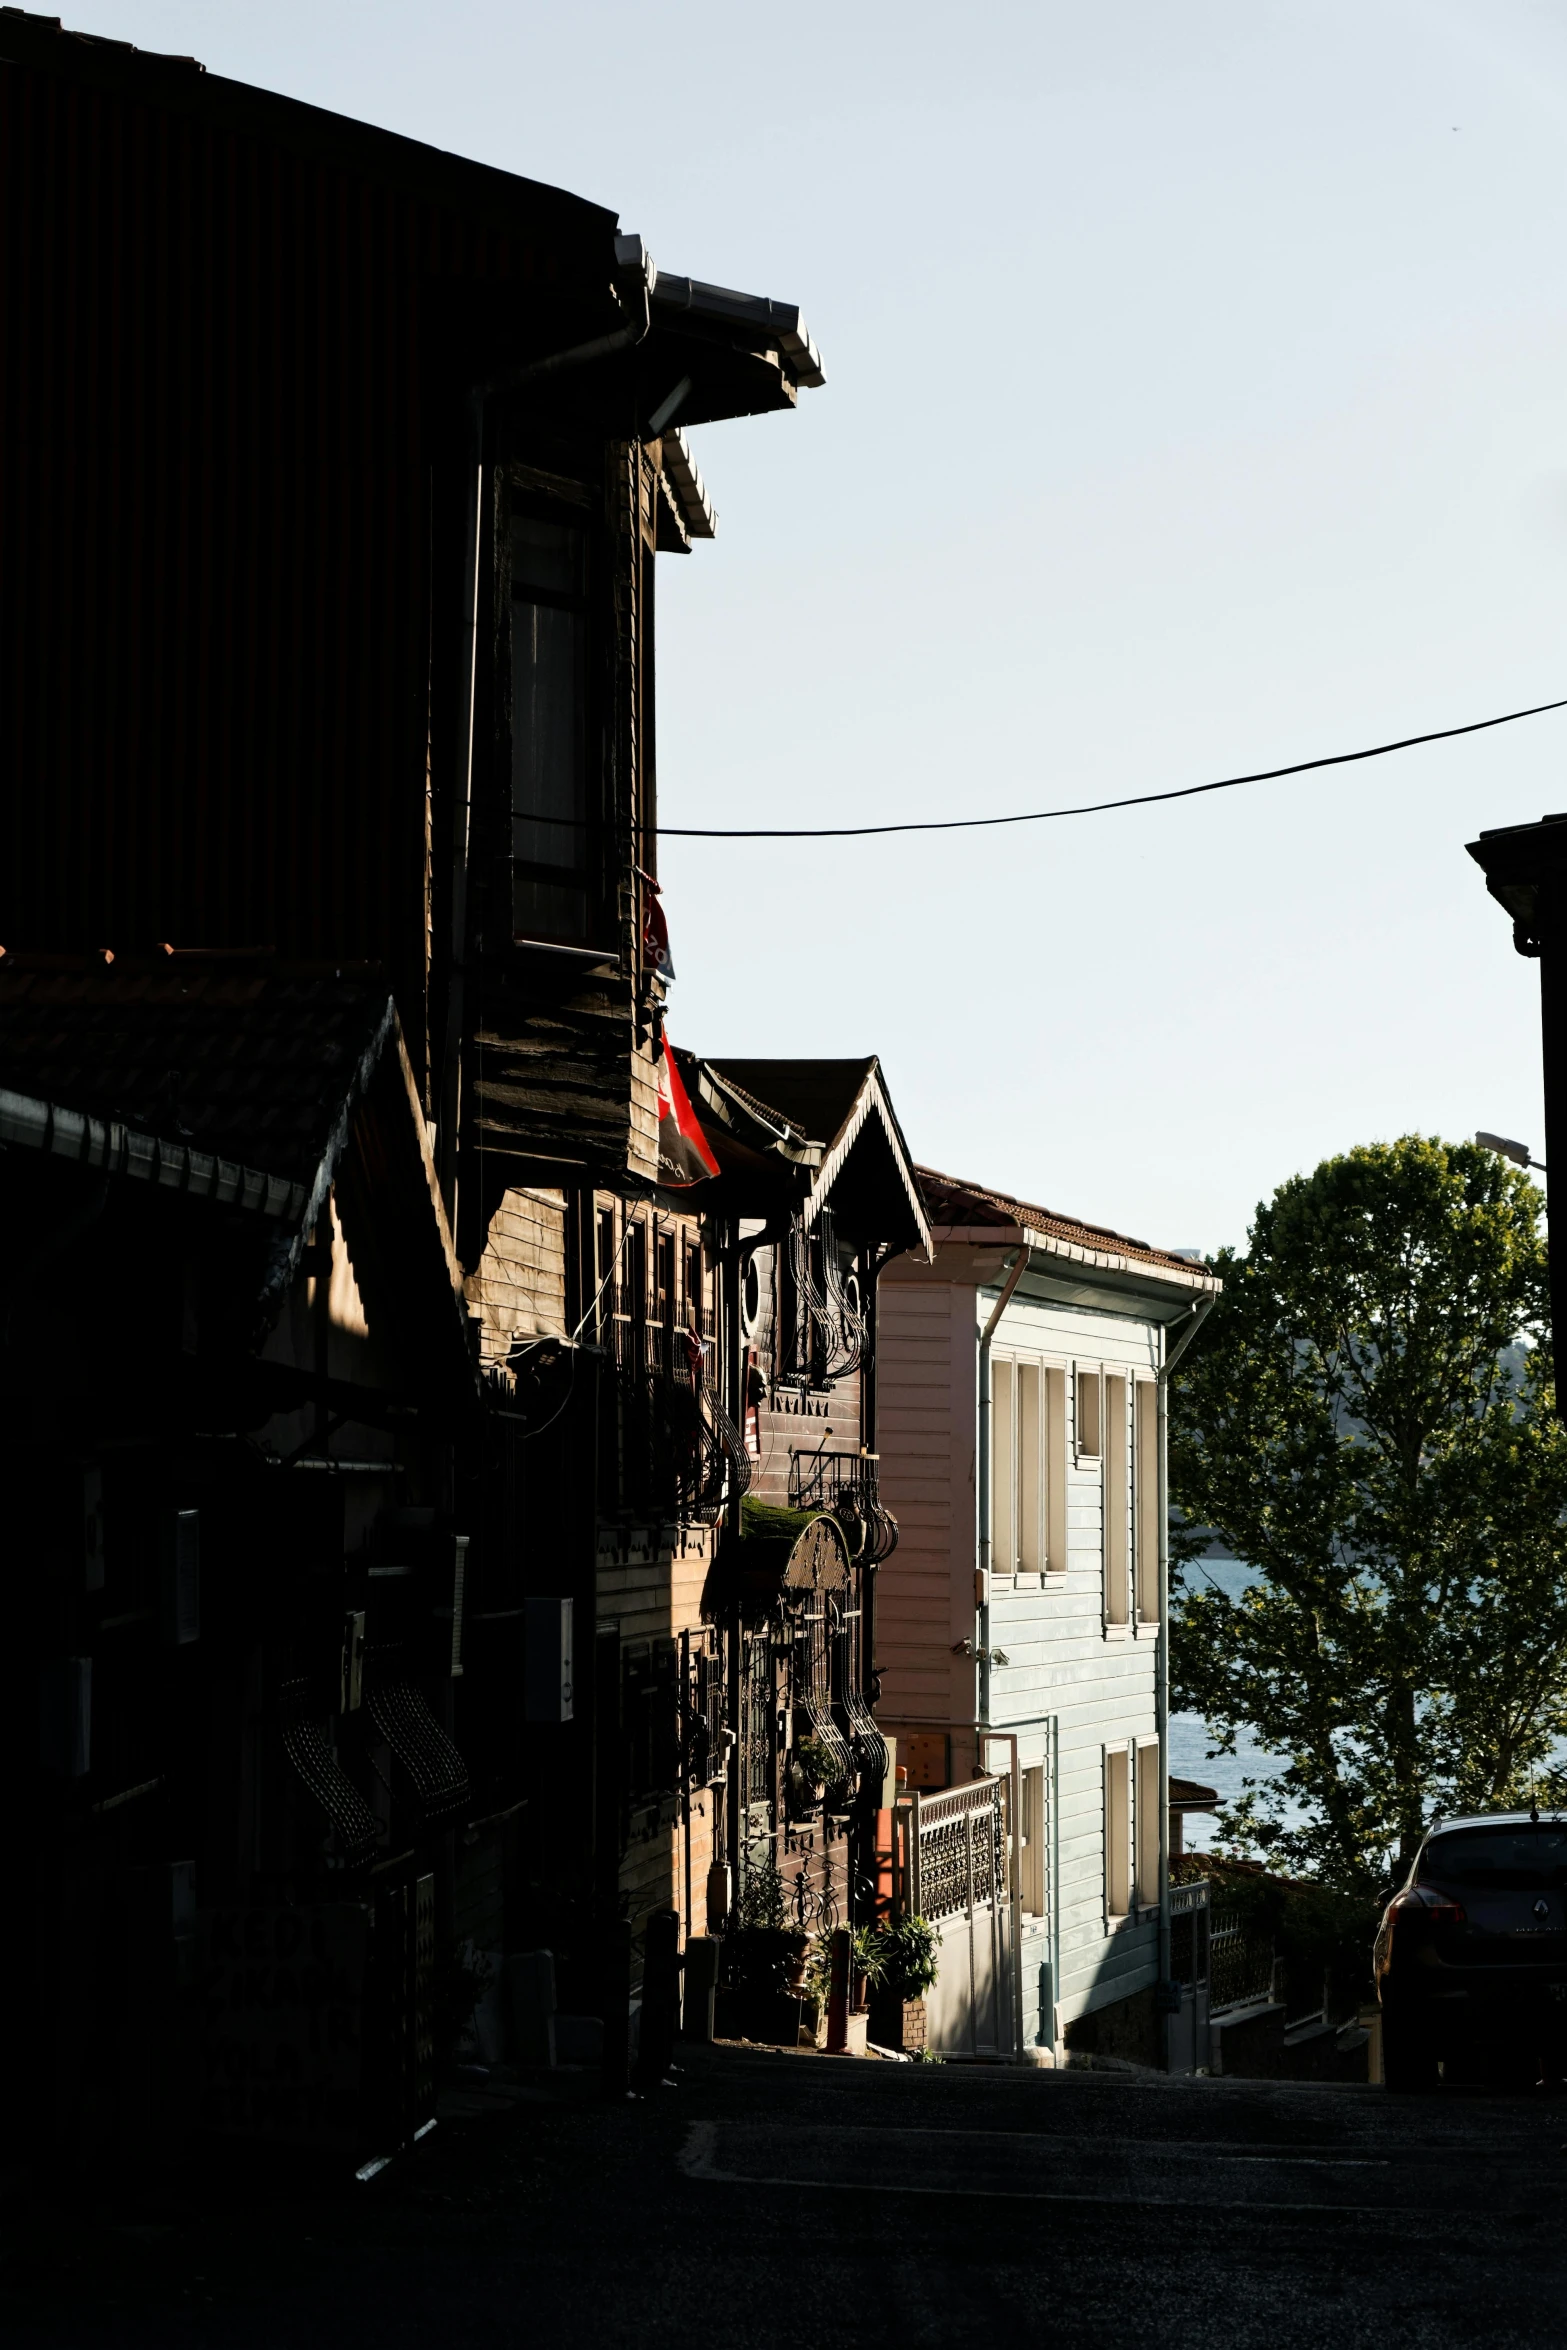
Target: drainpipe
x=982, y=1478
x=1201, y=1308
x=639, y=275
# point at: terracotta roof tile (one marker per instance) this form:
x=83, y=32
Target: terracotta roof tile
x=952, y=1201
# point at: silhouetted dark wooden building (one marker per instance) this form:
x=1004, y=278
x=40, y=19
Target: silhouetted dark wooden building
x=333, y=471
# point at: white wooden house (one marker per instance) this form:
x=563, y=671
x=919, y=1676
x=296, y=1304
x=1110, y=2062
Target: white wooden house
x=1020, y=1625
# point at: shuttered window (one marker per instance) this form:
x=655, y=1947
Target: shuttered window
x=1017, y=1481
x=1147, y=1799
x=1033, y=1827
x=1118, y=1832
x=1003, y=1466
x=1030, y=1480
x=1055, y=1469
x=1146, y=1509
x=1089, y=1396
x=1117, y=1503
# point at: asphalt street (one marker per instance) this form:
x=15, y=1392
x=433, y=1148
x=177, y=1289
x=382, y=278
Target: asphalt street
x=772, y=2199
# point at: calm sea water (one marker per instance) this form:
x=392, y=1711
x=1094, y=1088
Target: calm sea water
x=1190, y=1740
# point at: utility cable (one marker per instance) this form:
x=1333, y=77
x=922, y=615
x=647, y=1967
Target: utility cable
x=1188, y=791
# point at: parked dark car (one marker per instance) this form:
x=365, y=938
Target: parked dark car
x=1471, y=1955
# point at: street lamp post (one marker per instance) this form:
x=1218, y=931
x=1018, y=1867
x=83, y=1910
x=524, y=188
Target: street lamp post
x=1518, y=1152
x=1525, y=868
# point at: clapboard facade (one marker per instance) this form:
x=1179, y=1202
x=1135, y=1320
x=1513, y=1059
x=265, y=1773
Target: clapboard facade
x=1021, y=1623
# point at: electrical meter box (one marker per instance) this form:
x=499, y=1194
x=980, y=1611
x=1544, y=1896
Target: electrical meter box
x=547, y=1669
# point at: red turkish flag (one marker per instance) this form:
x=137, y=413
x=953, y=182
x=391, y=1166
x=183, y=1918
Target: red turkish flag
x=684, y=1153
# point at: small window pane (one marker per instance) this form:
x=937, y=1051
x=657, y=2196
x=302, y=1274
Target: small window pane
x=1033, y=1830
x=1088, y=1415
x=549, y=798
x=1030, y=1495
x=1002, y=1472
x=1118, y=1833
x=549, y=555
x=1116, y=1487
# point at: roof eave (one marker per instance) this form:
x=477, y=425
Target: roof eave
x=872, y=1098
x=1175, y=1286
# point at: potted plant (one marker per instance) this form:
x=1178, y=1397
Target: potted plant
x=905, y=1960
x=820, y=1767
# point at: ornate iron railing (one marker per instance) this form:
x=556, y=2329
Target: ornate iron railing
x=668, y=1448
x=845, y=1483
x=958, y=1849
x=826, y=1334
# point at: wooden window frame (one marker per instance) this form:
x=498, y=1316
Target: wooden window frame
x=1017, y=1468
x=521, y=491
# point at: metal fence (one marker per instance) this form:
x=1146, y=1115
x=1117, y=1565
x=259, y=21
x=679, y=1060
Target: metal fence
x=1240, y=1965
x=1190, y=1926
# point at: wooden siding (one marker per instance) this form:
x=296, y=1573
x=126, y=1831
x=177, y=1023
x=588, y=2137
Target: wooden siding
x=519, y=1287
x=233, y=324
x=1069, y=1686
x=926, y=1428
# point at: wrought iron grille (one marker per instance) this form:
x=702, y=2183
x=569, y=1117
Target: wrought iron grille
x=667, y=1447
x=962, y=1849
x=818, y=1631
x=1240, y=1966
x=815, y=1905
x=704, y=1732
x=823, y=1335
x=758, y=1723
x=845, y=1483
x=313, y=1758
x=868, y=1745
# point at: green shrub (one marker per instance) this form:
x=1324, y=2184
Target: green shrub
x=900, y=1959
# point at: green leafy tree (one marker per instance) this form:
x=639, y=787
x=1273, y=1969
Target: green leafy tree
x=1368, y=1421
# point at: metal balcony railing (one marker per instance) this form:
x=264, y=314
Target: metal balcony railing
x=846, y=1484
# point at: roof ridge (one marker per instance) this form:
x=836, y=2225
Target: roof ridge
x=1052, y=1219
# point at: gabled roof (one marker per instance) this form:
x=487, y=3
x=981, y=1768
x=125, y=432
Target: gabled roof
x=962, y=1205
x=832, y=1121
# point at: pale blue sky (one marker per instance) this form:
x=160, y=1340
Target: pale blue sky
x=1196, y=401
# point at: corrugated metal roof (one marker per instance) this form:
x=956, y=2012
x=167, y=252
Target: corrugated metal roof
x=950, y=1200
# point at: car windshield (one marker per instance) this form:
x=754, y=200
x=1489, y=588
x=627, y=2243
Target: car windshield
x=1525, y=1859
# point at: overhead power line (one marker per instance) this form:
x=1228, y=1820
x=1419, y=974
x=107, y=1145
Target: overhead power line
x=1408, y=742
